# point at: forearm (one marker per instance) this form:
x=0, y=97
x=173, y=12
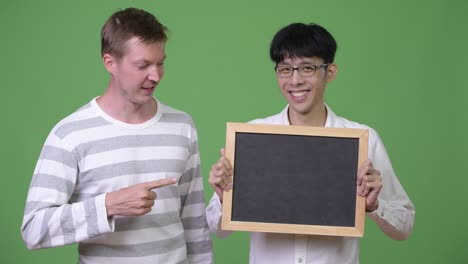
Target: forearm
x=213, y=215
x=394, y=218
x=192, y=214
x=197, y=237
x=395, y=213
x=196, y=232
x=50, y=224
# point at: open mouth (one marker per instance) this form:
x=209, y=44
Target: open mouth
x=299, y=94
x=148, y=88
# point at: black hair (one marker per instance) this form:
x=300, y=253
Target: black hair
x=303, y=40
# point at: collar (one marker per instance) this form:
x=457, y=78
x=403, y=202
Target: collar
x=329, y=122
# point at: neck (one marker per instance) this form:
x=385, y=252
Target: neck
x=126, y=111
x=316, y=117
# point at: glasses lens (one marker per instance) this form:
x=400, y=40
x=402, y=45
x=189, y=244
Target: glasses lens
x=284, y=71
x=307, y=70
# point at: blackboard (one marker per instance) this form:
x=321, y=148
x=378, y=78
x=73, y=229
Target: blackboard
x=292, y=179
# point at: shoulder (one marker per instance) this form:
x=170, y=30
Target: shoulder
x=173, y=115
x=267, y=120
x=66, y=133
x=342, y=122
x=84, y=117
x=374, y=137
x=279, y=119
x=346, y=123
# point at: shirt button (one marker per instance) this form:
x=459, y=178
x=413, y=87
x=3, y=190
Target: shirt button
x=382, y=214
x=299, y=260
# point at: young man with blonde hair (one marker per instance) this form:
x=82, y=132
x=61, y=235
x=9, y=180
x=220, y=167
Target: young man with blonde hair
x=121, y=175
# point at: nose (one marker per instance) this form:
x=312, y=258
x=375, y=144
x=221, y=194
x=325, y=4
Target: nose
x=296, y=78
x=155, y=74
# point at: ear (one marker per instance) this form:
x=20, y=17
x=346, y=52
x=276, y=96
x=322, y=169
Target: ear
x=110, y=63
x=332, y=70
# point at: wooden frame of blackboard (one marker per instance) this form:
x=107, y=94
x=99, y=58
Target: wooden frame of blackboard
x=355, y=229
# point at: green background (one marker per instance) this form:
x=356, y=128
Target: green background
x=402, y=70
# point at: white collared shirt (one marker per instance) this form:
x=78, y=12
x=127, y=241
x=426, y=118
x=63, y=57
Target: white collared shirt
x=394, y=216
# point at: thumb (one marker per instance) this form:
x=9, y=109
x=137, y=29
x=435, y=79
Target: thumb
x=222, y=152
x=159, y=183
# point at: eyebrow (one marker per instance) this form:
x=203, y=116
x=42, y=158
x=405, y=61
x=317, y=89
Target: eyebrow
x=143, y=61
x=300, y=64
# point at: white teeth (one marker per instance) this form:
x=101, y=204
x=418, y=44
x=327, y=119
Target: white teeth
x=299, y=94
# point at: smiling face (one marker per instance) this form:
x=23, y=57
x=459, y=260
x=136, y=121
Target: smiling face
x=305, y=95
x=136, y=74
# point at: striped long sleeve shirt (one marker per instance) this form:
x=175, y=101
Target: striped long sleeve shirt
x=89, y=154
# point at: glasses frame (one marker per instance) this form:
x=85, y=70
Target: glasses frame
x=300, y=69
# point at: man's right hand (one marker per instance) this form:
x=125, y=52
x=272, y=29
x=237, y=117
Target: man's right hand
x=221, y=175
x=134, y=200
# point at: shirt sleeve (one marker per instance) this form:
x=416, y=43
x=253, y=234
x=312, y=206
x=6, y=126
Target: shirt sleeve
x=213, y=216
x=395, y=214
x=196, y=232
x=49, y=218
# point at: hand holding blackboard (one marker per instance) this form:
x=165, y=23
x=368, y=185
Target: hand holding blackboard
x=369, y=184
x=221, y=175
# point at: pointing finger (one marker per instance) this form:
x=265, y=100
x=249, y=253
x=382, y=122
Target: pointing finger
x=159, y=183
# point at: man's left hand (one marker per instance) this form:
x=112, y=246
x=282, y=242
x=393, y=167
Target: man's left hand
x=369, y=184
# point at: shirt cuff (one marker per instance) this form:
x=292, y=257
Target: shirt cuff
x=106, y=224
x=380, y=211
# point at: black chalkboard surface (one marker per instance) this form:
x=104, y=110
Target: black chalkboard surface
x=291, y=179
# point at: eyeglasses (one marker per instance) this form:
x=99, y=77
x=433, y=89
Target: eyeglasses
x=303, y=70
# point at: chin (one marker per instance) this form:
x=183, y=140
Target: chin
x=143, y=100
x=299, y=109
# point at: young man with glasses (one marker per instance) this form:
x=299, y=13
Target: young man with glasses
x=304, y=56
x=121, y=175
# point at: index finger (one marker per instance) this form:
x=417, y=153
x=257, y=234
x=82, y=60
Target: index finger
x=159, y=183
x=367, y=164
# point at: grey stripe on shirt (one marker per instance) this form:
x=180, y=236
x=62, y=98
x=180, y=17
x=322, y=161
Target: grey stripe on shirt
x=135, y=250
x=68, y=229
x=132, y=167
x=44, y=233
x=130, y=141
x=36, y=205
x=176, y=118
x=191, y=223
x=68, y=128
x=166, y=192
x=91, y=217
x=52, y=182
x=59, y=155
x=147, y=221
x=195, y=197
x=190, y=175
x=199, y=247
